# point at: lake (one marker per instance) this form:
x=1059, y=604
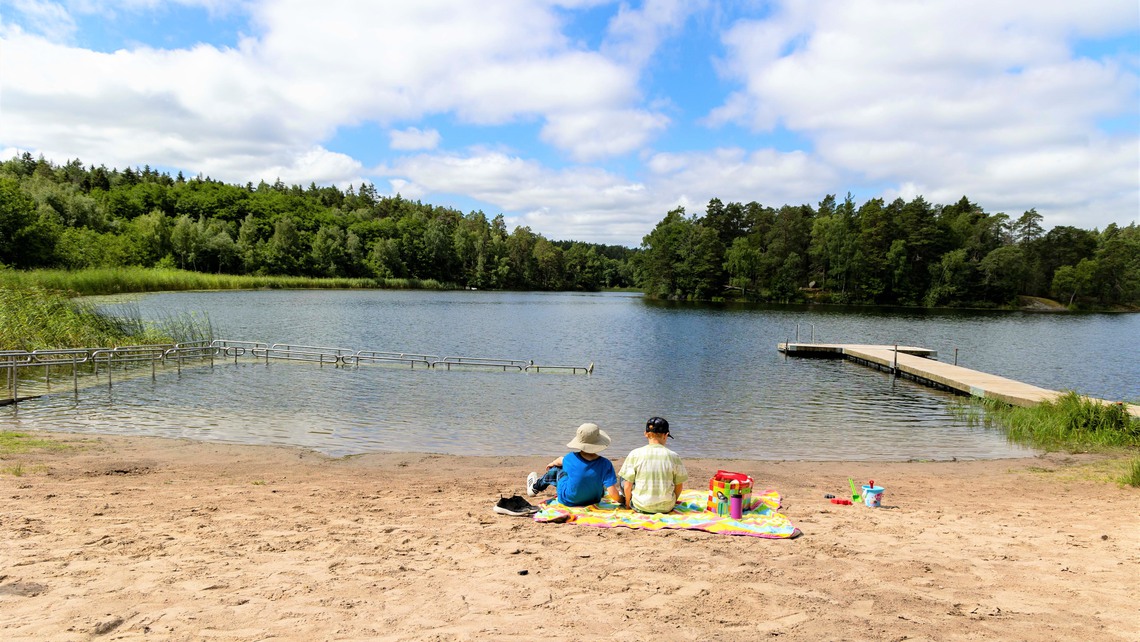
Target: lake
x=712, y=370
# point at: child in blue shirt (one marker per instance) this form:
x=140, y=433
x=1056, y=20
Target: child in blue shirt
x=581, y=476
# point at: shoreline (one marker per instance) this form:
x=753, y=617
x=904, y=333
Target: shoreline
x=152, y=537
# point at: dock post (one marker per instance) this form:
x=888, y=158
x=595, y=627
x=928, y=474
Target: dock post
x=896, y=366
x=955, y=356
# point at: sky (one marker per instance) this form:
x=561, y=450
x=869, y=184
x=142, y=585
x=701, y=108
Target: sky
x=590, y=120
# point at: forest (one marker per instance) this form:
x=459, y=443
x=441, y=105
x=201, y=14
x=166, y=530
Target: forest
x=76, y=217
x=898, y=253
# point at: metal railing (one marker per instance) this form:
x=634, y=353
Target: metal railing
x=316, y=354
x=100, y=360
x=573, y=369
x=392, y=358
x=482, y=362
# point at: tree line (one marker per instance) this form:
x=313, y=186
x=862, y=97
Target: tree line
x=72, y=216
x=897, y=253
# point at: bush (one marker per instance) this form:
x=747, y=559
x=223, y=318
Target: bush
x=1071, y=422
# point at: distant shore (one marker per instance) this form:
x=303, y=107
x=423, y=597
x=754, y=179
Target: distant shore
x=137, y=537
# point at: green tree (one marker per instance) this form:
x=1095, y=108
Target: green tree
x=1062, y=245
x=953, y=280
x=216, y=250
x=285, y=248
x=876, y=233
x=1003, y=272
x=17, y=217
x=742, y=263
x=834, y=243
x=81, y=247
x=1028, y=228
x=328, y=251
x=661, y=255
x=185, y=241
x=385, y=259
x=520, y=253
x=251, y=245
x=548, y=263
x=1117, y=273
x=148, y=236
x=1070, y=281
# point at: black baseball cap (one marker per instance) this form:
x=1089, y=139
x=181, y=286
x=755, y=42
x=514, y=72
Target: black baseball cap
x=658, y=425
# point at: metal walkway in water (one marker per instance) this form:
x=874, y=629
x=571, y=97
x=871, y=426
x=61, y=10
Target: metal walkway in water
x=30, y=374
x=920, y=364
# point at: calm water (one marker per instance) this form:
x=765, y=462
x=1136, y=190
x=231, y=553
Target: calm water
x=713, y=371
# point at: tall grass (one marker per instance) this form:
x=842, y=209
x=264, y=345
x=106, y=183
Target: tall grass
x=1072, y=422
x=1132, y=476
x=38, y=319
x=135, y=279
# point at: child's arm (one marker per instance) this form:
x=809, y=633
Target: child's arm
x=628, y=486
x=612, y=494
x=676, y=493
x=556, y=462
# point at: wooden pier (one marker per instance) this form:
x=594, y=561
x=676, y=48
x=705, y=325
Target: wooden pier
x=921, y=365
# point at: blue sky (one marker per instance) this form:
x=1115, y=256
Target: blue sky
x=587, y=119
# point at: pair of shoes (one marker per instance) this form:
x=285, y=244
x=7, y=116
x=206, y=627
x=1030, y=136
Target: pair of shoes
x=516, y=506
x=531, y=479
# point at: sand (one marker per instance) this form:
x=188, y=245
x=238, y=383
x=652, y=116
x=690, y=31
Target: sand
x=149, y=539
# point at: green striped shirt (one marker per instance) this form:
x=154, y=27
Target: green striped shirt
x=655, y=471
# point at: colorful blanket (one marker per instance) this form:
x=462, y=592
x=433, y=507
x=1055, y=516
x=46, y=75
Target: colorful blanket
x=760, y=517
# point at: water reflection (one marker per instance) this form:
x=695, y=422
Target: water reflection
x=712, y=370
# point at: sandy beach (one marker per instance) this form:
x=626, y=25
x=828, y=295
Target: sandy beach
x=123, y=538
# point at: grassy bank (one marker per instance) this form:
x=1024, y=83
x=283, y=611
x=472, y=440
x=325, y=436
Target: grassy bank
x=133, y=279
x=1072, y=423
x=38, y=319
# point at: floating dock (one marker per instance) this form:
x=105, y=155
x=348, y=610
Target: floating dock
x=921, y=365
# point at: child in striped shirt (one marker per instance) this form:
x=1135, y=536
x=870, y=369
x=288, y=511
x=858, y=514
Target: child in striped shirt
x=652, y=475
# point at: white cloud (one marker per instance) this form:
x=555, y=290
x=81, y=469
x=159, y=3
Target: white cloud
x=766, y=176
x=55, y=21
x=634, y=35
x=132, y=107
x=489, y=63
x=318, y=165
x=971, y=98
x=50, y=19
x=590, y=135
x=589, y=204
x=939, y=98
x=413, y=138
x=302, y=75
x=579, y=203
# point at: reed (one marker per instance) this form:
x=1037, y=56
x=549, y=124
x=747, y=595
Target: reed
x=95, y=281
x=1071, y=422
x=38, y=319
x=1132, y=477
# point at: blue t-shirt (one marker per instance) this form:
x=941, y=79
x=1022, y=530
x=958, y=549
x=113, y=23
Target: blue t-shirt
x=584, y=482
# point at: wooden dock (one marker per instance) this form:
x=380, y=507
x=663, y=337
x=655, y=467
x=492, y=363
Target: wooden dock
x=921, y=365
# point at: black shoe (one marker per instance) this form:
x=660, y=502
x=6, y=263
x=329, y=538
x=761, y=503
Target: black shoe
x=516, y=506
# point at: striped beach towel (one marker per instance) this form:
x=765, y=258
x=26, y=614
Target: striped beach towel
x=761, y=517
